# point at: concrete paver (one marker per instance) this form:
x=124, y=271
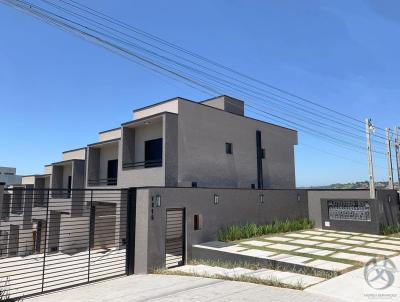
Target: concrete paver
x=256, y=242
x=334, y=246
x=314, y=251
x=284, y=247
x=278, y=238
x=329, y=265
x=305, y=242
x=384, y=246
x=297, y=235
x=353, y=257
x=351, y=241
x=363, y=238
x=372, y=251
x=395, y=242
x=257, y=253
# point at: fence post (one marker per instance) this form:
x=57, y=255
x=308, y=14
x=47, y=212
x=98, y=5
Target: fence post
x=91, y=230
x=45, y=238
x=2, y=184
x=130, y=231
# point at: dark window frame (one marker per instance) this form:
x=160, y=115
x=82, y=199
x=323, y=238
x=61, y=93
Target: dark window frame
x=228, y=148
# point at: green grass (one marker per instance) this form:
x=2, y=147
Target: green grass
x=269, y=282
x=389, y=229
x=249, y=230
x=257, y=266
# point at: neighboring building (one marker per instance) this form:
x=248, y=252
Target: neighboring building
x=175, y=143
x=9, y=177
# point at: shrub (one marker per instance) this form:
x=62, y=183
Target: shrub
x=389, y=229
x=248, y=230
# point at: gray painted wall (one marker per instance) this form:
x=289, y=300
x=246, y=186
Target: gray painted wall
x=202, y=134
x=236, y=206
x=314, y=201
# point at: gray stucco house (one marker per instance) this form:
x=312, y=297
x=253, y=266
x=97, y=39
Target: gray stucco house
x=181, y=143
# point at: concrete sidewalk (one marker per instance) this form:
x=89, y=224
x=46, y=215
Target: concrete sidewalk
x=177, y=288
x=353, y=287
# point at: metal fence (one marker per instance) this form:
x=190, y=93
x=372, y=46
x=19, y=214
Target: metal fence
x=50, y=240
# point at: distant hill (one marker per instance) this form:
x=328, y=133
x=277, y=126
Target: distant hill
x=359, y=185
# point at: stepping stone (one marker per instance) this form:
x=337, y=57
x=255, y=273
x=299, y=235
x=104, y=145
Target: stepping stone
x=374, y=236
x=296, y=235
x=237, y=272
x=351, y=233
x=280, y=239
x=216, y=244
x=363, y=238
x=334, y=246
x=353, y=257
x=295, y=259
x=256, y=243
x=284, y=247
x=395, y=242
x=302, y=280
x=338, y=235
x=372, y=251
x=349, y=241
x=329, y=265
x=384, y=246
x=233, y=249
x=257, y=253
x=323, y=238
x=312, y=233
x=305, y=242
x=313, y=251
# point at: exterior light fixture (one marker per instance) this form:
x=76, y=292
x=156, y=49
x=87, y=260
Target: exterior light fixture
x=298, y=197
x=390, y=198
x=261, y=198
x=216, y=199
x=158, y=201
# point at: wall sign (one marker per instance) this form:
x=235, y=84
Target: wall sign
x=353, y=210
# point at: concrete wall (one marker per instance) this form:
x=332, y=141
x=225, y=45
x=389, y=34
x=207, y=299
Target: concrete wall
x=75, y=154
x=236, y=206
x=169, y=106
x=107, y=152
x=314, y=201
x=202, y=134
x=108, y=135
x=145, y=133
x=226, y=103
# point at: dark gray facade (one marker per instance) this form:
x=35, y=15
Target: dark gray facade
x=235, y=206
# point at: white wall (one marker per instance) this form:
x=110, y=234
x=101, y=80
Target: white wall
x=113, y=134
x=76, y=154
x=171, y=106
x=145, y=133
x=107, y=152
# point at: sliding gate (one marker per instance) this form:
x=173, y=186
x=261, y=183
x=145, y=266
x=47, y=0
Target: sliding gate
x=52, y=239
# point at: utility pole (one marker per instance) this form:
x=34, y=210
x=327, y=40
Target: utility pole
x=368, y=129
x=397, y=149
x=389, y=159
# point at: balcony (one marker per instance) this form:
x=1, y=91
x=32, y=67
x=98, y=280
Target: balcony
x=143, y=144
x=102, y=166
x=66, y=175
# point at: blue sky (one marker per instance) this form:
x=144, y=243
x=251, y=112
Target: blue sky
x=58, y=91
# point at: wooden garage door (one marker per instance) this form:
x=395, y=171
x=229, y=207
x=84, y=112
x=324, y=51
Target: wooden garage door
x=175, y=238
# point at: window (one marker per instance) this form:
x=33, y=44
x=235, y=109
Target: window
x=253, y=186
x=263, y=153
x=194, y=184
x=198, y=222
x=228, y=148
x=153, y=153
x=112, y=172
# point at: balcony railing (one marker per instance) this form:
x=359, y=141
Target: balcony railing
x=143, y=164
x=103, y=182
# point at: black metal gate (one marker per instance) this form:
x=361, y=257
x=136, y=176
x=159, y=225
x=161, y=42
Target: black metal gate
x=175, y=238
x=52, y=239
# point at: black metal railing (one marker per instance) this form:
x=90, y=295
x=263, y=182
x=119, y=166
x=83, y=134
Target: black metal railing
x=143, y=164
x=63, y=244
x=103, y=182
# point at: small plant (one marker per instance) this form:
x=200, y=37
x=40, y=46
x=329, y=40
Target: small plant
x=4, y=295
x=248, y=230
x=389, y=229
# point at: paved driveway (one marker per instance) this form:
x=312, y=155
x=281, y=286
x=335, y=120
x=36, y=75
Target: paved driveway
x=177, y=288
